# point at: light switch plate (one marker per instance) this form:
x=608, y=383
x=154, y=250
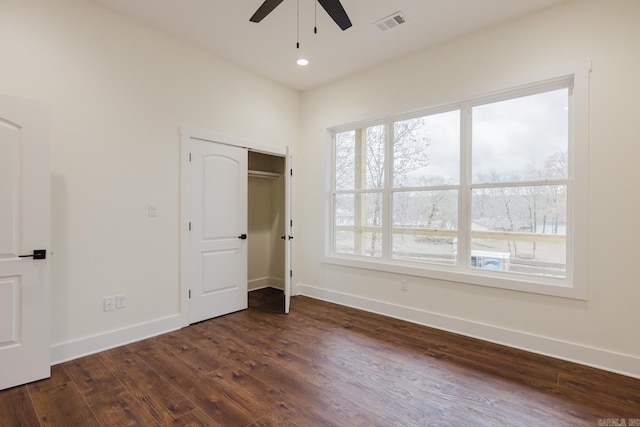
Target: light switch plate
x=121, y=301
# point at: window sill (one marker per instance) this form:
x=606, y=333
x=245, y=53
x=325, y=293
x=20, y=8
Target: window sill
x=514, y=282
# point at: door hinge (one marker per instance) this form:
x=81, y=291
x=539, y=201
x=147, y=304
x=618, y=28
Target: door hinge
x=290, y=273
x=189, y=293
x=291, y=223
x=189, y=225
x=291, y=172
x=189, y=156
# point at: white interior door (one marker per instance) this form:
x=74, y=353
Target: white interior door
x=218, y=227
x=288, y=272
x=25, y=200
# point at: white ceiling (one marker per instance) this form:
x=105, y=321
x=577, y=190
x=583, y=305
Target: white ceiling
x=269, y=47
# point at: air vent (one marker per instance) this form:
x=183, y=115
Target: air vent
x=390, y=21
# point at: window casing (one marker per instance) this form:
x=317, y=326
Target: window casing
x=490, y=191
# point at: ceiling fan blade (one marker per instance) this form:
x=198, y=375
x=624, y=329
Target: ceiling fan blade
x=265, y=9
x=336, y=11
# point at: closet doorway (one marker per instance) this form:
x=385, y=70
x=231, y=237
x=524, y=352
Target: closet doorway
x=267, y=238
x=236, y=234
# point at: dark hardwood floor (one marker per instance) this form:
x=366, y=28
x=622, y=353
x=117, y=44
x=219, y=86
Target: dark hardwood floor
x=321, y=365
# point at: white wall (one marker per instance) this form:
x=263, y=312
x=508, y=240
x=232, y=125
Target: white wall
x=259, y=241
x=266, y=225
x=119, y=93
x=601, y=331
x=277, y=217
x=266, y=222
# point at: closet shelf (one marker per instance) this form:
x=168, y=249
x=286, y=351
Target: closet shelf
x=262, y=174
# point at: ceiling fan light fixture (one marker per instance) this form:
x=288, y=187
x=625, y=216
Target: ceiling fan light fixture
x=302, y=62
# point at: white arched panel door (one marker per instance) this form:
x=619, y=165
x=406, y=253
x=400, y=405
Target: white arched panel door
x=218, y=226
x=25, y=227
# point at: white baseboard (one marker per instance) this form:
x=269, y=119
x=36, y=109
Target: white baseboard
x=89, y=345
x=70, y=350
x=265, y=282
x=584, y=355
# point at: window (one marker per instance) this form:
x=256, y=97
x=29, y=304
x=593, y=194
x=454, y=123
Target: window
x=359, y=180
x=424, y=195
x=519, y=165
x=487, y=191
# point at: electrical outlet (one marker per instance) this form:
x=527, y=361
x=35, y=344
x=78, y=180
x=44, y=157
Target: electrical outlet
x=109, y=303
x=404, y=285
x=121, y=301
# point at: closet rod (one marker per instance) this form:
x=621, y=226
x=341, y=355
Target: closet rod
x=261, y=174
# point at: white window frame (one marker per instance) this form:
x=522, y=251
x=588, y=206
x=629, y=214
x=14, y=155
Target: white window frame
x=574, y=285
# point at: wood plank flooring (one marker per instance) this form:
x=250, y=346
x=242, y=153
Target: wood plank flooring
x=322, y=365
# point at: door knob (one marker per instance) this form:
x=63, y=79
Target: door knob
x=242, y=237
x=37, y=254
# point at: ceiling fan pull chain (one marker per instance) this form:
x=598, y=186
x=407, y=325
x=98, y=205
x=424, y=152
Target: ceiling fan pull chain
x=298, y=27
x=315, y=18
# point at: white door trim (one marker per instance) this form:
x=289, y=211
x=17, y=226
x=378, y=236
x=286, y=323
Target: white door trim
x=186, y=135
x=288, y=232
x=231, y=140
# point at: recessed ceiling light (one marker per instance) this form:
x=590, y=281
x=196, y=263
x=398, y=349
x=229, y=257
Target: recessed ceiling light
x=302, y=62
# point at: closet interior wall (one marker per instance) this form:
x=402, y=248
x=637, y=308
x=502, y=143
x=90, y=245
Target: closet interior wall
x=266, y=218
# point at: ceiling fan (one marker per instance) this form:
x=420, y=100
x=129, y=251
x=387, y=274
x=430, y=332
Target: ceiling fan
x=333, y=7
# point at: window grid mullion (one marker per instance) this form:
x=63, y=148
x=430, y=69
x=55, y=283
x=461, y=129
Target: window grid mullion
x=464, y=196
x=359, y=183
x=332, y=197
x=427, y=188
x=387, y=208
x=509, y=184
